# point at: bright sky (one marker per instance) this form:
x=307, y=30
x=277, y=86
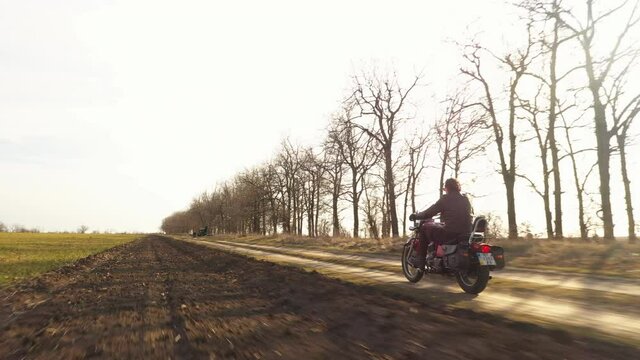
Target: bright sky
x=114, y=114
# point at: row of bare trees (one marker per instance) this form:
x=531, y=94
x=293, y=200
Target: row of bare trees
x=17, y=228
x=361, y=162
x=530, y=101
x=603, y=69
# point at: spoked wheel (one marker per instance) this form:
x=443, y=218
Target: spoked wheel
x=412, y=274
x=474, y=280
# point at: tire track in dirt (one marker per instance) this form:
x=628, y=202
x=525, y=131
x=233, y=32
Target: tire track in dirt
x=181, y=338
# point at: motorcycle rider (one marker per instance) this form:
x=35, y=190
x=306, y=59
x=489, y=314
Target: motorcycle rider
x=455, y=219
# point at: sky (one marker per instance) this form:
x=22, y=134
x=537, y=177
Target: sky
x=114, y=114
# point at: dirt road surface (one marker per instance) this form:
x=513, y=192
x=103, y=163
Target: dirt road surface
x=607, y=321
x=553, y=278
x=159, y=298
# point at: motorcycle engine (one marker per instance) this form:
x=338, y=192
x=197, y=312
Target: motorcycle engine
x=437, y=264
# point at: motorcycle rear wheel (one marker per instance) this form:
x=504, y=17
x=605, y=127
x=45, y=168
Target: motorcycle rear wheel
x=411, y=273
x=473, y=281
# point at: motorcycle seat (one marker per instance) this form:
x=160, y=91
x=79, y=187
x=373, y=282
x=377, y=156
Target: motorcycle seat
x=460, y=238
x=463, y=237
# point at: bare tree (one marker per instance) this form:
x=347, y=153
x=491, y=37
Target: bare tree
x=382, y=100
x=597, y=71
x=17, y=228
x=359, y=154
x=334, y=164
x=288, y=162
x=579, y=181
x=457, y=134
x=533, y=115
x=623, y=115
x=273, y=194
x=417, y=162
x=200, y=209
x=417, y=149
x=82, y=229
x=547, y=12
x=314, y=170
x=552, y=47
x=517, y=64
x=372, y=209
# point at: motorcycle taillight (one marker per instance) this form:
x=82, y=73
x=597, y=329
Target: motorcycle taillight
x=485, y=249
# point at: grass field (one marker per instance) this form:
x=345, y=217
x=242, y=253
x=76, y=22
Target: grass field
x=615, y=258
x=24, y=255
x=570, y=255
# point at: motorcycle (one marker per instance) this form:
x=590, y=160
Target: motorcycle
x=469, y=258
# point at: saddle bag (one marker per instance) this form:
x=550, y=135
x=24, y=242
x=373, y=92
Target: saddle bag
x=457, y=257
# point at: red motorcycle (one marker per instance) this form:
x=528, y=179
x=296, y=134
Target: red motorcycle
x=468, y=257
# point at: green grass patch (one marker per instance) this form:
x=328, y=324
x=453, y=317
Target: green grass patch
x=24, y=255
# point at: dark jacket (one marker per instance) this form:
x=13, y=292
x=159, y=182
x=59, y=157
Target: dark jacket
x=455, y=210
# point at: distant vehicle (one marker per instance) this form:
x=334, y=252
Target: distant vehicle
x=469, y=259
x=200, y=232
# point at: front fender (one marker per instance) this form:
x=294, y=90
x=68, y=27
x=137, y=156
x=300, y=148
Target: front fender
x=410, y=241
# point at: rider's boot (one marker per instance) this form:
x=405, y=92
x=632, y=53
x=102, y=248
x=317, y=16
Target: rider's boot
x=431, y=253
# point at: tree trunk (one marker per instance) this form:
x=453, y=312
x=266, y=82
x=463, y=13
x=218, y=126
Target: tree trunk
x=547, y=208
x=391, y=190
x=310, y=214
x=294, y=219
x=287, y=212
x=602, y=138
x=545, y=193
x=316, y=220
x=413, y=194
x=264, y=219
x=627, y=188
x=335, y=221
x=510, y=183
x=274, y=216
x=404, y=208
x=354, y=197
x=551, y=134
x=441, y=184
x=581, y=223
x=557, y=189
x=511, y=208
x=385, y=215
x=584, y=231
x=542, y=146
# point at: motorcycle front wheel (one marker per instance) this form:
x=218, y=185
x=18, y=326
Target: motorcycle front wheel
x=473, y=281
x=411, y=273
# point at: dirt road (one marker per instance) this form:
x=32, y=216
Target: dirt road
x=580, y=315
x=162, y=298
x=552, y=278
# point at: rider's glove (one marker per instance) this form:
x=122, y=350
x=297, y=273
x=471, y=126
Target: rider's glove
x=412, y=217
